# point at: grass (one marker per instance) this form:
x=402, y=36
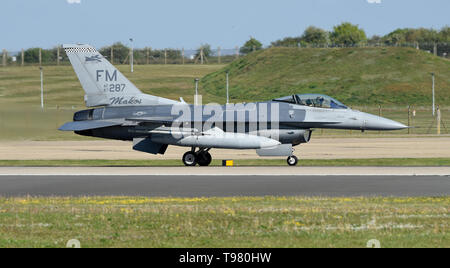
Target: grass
x=355, y=76
x=224, y=222
x=21, y=85
x=382, y=162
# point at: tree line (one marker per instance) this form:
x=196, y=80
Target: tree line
x=345, y=34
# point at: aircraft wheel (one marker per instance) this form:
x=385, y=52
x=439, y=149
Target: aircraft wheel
x=204, y=159
x=190, y=159
x=292, y=160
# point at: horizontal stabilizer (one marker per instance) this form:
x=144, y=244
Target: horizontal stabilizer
x=87, y=125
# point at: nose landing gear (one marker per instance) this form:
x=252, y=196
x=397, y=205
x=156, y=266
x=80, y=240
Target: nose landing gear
x=202, y=158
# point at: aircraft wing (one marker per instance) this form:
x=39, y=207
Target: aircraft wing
x=91, y=124
x=155, y=119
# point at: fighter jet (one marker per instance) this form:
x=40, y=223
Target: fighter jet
x=120, y=111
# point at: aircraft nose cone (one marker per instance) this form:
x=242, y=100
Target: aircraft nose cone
x=394, y=125
x=373, y=122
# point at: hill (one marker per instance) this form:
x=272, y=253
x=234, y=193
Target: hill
x=356, y=76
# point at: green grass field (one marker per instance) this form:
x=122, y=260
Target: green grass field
x=224, y=222
x=21, y=85
x=382, y=162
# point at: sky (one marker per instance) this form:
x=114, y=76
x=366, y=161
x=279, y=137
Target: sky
x=190, y=23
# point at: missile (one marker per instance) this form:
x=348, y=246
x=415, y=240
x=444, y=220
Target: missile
x=218, y=139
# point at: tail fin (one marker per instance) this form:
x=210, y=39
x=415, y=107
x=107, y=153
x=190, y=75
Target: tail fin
x=103, y=84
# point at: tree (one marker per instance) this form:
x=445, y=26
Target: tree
x=408, y=35
x=31, y=55
x=375, y=40
x=250, y=46
x=287, y=42
x=396, y=37
x=315, y=36
x=206, y=50
x=348, y=34
x=444, y=34
x=120, y=51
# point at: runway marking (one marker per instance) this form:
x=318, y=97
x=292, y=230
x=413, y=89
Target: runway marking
x=225, y=175
x=238, y=171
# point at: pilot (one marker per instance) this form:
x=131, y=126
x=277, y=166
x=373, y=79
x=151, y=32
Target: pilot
x=319, y=101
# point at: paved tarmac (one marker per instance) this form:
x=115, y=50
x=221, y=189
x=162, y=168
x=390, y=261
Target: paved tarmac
x=223, y=186
x=318, y=148
x=229, y=171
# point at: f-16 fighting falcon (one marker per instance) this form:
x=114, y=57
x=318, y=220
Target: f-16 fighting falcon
x=121, y=111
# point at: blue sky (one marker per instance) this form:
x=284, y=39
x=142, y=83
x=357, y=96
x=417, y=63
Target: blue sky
x=189, y=23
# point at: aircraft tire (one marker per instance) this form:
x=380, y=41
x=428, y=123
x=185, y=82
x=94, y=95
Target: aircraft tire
x=190, y=159
x=204, y=159
x=292, y=160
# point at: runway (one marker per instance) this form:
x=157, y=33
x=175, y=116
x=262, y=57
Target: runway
x=229, y=171
x=223, y=186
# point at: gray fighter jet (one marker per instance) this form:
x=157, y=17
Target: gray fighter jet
x=121, y=111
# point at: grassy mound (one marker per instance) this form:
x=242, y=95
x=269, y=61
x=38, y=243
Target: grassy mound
x=356, y=76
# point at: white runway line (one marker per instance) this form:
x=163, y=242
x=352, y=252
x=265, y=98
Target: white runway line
x=221, y=171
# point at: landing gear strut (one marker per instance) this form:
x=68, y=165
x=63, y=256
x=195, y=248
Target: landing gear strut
x=292, y=160
x=202, y=157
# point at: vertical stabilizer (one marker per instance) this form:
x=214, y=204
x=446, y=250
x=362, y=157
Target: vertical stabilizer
x=103, y=84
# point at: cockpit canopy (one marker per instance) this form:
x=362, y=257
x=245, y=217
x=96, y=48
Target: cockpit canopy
x=313, y=100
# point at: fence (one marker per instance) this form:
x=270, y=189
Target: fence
x=438, y=49
x=56, y=56
x=420, y=120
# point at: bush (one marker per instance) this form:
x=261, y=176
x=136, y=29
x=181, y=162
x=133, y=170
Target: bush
x=315, y=36
x=348, y=34
x=250, y=46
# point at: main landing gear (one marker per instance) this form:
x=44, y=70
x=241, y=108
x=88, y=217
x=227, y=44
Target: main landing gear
x=202, y=158
x=292, y=160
